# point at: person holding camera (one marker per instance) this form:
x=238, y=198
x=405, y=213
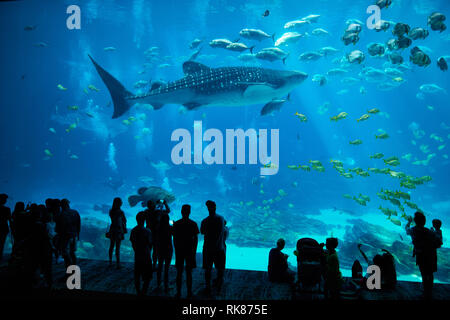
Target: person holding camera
x=162, y=241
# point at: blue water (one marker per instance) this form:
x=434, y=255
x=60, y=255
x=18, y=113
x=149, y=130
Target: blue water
x=82, y=160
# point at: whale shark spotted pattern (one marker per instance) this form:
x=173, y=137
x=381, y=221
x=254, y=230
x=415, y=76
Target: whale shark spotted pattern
x=205, y=86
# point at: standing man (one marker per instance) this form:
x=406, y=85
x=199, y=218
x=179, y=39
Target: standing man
x=141, y=240
x=185, y=240
x=5, y=222
x=70, y=233
x=214, y=248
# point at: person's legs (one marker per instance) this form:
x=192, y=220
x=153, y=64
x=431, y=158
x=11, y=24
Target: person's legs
x=2, y=243
x=208, y=279
x=65, y=251
x=137, y=278
x=47, y=268
x=159, y=271
x=179, y=279
x=73, y=249
x=167, y=261
x=189, y=281
x=111, y=249
x=428, y=285
x=155, y=256
x=118, y=242
x=219, y=263
x=146, y=276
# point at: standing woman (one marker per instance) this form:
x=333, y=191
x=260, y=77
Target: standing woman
x=117, y=230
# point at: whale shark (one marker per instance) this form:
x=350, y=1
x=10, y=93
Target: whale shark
x=205, y=86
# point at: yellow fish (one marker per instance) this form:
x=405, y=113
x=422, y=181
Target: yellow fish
x=71, y=127
x=93, y=88
x=301, y=117
x=340, y=116
x=382, y=136
x=356, y=142
x=373, y=111
x=60, y=87
x=363, y=117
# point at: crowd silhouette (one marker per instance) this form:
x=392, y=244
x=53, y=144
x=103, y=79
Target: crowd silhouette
x=41, y=234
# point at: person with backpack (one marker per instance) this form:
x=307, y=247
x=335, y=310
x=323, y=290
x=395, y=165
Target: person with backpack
x=425, y=244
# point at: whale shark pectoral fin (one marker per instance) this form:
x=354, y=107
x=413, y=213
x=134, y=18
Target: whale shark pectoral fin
x=192, y=105
x=193, y=67
x=257, y=89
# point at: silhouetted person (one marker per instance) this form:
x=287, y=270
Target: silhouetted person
x=49, y=220
x=57, y=217
x=141, y=240
x=357, y=271
x=185, y=240
x=425, y=244
x=70, y=233
x=278, y=267
x=436, y=229
x=41, y=245
x=153, y=217
x=214, y=229
x=332, y=274
x=117, y=229
x=386, y=263
x=163, y=242
x=5, y=222
x=18, y=223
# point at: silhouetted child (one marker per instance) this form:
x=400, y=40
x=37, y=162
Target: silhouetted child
x=332, y=274
x=185, y=240
x=436, y=229
x=141, y=240
x=278, y=267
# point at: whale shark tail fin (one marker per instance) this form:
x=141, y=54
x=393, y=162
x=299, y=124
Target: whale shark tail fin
x=116, y=90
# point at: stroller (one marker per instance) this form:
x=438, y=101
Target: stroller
x=310, y=257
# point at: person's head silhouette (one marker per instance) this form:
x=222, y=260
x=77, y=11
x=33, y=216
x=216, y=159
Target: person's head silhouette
x=419, y=219
x=281, y=243
x=331, y=244
x=117, y=203
x=437, y=224
x=140, y=218
x=211, y=205
x=65, y=204
x=20, y=206
x=3, y=198
x=150, y=205
x=185, y=211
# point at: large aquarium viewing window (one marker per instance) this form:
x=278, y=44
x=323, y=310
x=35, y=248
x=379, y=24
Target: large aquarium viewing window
x=298, y=119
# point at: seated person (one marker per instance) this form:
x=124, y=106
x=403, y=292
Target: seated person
x=278, y=267
x=386, y=263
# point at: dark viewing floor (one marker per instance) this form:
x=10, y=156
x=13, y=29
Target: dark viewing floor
x=99, y=280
